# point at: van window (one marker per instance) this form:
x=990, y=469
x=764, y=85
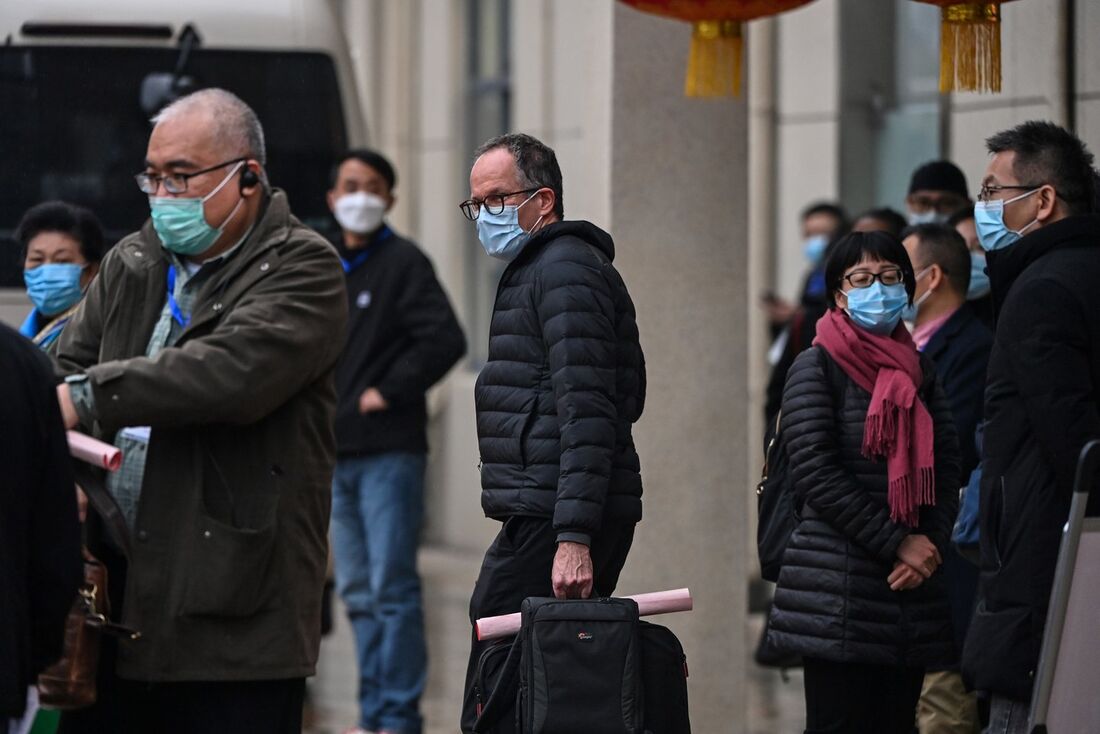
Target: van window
x=72, y=127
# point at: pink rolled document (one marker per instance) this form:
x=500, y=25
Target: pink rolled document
x=96, y=453
x=656, y=602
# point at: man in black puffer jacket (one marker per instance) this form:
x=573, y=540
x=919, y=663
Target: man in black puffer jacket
x=563, y=384
x=1042, y=399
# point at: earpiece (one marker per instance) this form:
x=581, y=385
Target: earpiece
x=249, y=178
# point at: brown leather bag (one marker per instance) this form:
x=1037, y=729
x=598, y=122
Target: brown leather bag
x=70, y=683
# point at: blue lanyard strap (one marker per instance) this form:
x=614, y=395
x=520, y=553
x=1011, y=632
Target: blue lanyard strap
x=173, y=305
x=349, y=265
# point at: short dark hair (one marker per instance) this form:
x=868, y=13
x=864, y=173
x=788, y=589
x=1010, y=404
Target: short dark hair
x=853, y=247
x=962, y=215
x=535, y=162
x=826, y=207
x=369, y=157
x=1049, y=154
x=892, y=218
x=939, y=244
x=65, y=218
x=939, y=176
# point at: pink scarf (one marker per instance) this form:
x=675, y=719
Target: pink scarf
x=898, y=426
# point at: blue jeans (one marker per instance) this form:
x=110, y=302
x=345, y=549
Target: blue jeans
x=377, y=507
x=1007, y=716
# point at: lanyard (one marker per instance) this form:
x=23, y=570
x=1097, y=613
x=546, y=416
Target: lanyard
x=355, y=262
x=173, y=306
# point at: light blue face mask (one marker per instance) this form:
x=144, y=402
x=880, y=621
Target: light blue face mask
x=814, y=248
x=909, y=313
x=54, y=287
x=501, y=235
x=181, y=223
x=979, y=281
x=877, y=308
x=989, y=220
x=929, y=217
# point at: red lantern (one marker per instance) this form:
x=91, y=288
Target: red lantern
x=714, y=67
x=970, y=45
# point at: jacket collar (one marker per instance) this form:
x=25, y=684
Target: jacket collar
x=580, y=229
x=951, y=328
x=1007, y=265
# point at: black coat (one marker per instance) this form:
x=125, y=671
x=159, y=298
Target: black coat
x=40, y=565
x=960, y=350
x=832, y=600
x=564, y=382
x=1042, y=406
x=402, y=338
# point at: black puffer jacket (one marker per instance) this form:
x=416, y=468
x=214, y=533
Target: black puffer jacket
x=564, y=382
x=833, y=601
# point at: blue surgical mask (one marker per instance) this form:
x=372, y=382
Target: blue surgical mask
x=181, y=223
x=989, y=219
x=979, y=281
x=877, y=308
x=814, y=248
x=54, y=287
x=929, y=217
x=909, y=313
x=501, y=235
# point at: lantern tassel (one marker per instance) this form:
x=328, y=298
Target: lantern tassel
x=714, y=67
x=970, y=48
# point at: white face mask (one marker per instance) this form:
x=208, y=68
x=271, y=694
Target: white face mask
x=360, y=213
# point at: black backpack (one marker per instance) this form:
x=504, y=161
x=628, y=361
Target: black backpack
x=583, y=665
x=778, y=505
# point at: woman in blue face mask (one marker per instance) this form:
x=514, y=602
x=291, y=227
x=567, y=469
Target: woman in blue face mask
x=873, y=464
x=62, y=245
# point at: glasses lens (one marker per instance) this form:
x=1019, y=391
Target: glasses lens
x=494, y=204
x=175, y=184
x=861, y=279
x=469, y=210
x=146, y=183
x=890, y=277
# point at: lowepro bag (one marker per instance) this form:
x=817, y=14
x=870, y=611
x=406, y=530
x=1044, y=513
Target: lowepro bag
x=583, y=666
x=70, y=683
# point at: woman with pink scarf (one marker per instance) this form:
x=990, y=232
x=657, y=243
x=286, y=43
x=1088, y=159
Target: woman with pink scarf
x=874, y=466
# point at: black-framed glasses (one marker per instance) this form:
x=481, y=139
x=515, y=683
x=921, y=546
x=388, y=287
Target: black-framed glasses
x=865, y=278
x=174, y=183
x=493, y=203
x=989, y=190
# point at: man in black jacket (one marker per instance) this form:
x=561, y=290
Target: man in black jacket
x=39, y=535
x=402, y=338
x=1035, y=218
x=556, y=401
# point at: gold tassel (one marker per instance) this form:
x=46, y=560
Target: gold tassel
x=970, y=48
x=714, y=68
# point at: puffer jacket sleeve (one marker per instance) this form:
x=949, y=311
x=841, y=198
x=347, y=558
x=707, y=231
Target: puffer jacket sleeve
x=936, y=521
x=576, y=311
x=809, y=426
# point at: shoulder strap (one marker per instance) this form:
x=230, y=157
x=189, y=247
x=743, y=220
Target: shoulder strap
x=91, y=481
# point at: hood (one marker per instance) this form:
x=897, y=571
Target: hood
x=581, y=229
x=1006, y=265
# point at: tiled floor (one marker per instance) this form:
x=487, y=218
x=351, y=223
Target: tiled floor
x=774, y=706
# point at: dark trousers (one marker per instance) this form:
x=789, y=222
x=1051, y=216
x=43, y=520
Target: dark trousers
x=518, y=565
x=850, y=698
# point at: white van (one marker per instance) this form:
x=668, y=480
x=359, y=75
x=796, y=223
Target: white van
x=79, y=81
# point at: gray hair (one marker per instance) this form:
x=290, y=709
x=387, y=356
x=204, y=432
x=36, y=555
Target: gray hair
x=233, y=122
x=536, y=164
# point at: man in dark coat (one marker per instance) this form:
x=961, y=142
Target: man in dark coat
x=949, y=333
x=1035, y=219
x=557, y=398
x=39, y=535
x=206, y=348
x=402, y=338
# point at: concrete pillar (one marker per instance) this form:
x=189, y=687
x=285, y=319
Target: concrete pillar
x=678, y=215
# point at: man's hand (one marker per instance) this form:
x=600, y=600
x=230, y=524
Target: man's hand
x=904, y=578
x=371, y=401
x=572, y=574
x=68, y=410
x=920, y=554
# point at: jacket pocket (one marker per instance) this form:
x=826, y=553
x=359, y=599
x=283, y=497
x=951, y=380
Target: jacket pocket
x=230, y=569
x=525, y=431
x=1001, y=651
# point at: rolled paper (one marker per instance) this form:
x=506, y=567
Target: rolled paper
x=94, y=452
x=655, y=602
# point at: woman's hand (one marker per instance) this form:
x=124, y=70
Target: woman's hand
x=920, y=554
x=904, y=577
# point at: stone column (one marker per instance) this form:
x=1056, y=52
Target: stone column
x=678, y=215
